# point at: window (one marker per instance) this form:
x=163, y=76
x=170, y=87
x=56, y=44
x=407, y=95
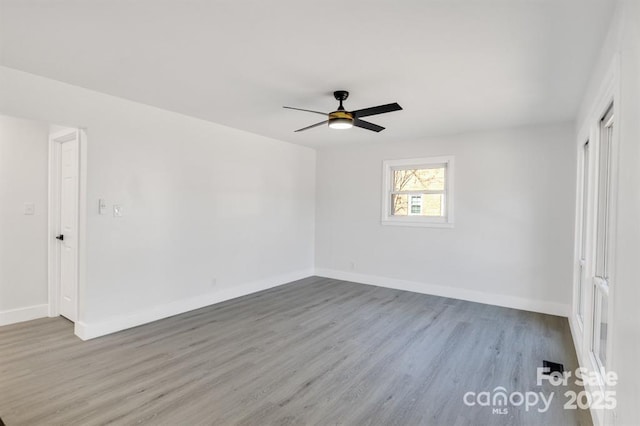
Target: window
x=601, y=279
x=418, y=192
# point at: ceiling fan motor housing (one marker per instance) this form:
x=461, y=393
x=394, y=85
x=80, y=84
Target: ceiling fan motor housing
x=340, y=115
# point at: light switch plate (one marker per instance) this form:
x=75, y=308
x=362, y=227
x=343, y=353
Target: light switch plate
x=117, y=210
x=102, y=206
x=29, y=208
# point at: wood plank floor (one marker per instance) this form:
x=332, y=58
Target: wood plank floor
x=317, y=351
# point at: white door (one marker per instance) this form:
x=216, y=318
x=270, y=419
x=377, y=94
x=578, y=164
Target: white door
x=68, y=234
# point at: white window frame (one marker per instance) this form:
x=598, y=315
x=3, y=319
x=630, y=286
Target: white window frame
x=582, y=330
x=389, y=166
x=602, y=283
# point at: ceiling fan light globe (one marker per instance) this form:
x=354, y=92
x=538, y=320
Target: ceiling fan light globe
x=340, y=123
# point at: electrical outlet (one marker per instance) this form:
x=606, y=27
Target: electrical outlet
x=214, y=281
x=117, y=210
x=29, y=209
x=352, y=265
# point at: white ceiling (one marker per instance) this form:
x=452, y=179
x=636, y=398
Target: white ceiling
x=453, y=65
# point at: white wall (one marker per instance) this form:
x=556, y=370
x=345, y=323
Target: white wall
x=623, y=45
x=200, y=200
x=512, y=241
x=23, y=238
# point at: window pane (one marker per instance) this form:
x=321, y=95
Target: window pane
x=419, y=179
x=583, y=233
x=595, y=335
x=417, y=205
x=604, y=173
x=585, y=198
x=581, y=281
x=600, y=326
x=433, y=205
x=399, y=204
x=602, y=347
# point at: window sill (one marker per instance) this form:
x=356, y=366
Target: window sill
x=416, y=223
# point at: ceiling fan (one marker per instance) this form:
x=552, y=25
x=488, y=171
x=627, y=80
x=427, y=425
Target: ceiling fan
x=343, y=119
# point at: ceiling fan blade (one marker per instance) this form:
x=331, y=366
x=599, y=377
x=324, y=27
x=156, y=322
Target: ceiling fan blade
x=313, y=125
x=380, y=109
x=366, y=125
x=307, y=110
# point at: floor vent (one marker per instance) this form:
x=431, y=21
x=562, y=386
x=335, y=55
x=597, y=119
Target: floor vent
x=552, y=367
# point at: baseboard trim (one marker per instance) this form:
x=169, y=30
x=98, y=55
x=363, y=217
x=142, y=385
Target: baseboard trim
x=29, y=313
x=91, y=330
x=539, y=306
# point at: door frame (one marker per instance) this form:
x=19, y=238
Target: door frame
x=55, y=143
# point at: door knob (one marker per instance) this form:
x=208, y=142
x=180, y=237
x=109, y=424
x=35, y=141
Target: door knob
x=60, y=237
